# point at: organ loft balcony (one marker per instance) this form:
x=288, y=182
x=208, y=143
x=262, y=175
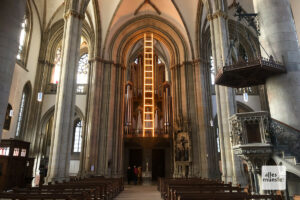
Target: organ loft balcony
x=250, y=136
x=248, y=73
x=138, y=133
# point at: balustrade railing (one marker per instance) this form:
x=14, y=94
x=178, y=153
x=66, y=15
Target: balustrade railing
x=251, y=127
x=139, y=133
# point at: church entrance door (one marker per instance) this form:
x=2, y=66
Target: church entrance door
x=135, y=157
x=158, y=163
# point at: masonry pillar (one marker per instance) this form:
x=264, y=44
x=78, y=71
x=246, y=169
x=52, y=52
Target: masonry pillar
x=103, y=142
x=231, y=164
x=206, y=134
x=279, y=38
x=167, y=107
x=61, y=141
x=89, y=155
x=11, y=18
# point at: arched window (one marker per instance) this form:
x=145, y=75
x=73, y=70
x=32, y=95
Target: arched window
x=24, y=38
x=243, y=53
x=212, y=70
x=77, y=136
x=8, y=116
x=83, y=69
x=57, y=64
x=22, y=117
x=82, y=73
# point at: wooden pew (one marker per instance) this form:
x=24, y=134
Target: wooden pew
x=198, y=188
x=178, y=190
x=96, y=188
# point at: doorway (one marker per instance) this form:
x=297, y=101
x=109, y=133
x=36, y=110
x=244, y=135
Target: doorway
x=158, y=163
x=135, y=157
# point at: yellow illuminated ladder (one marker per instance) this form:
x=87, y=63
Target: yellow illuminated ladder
x=148, y=96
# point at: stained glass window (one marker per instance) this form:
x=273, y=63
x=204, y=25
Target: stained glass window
x=56, y=68
x=212, y=70
x=77, y=136
x=83, y=69
x=22, y=39
x=21, y=114
x=82, y=73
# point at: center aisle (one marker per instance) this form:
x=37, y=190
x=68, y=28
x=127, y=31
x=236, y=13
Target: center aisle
x=139, y=192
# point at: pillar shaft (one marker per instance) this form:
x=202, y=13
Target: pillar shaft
x=231, y=165
x=167, y=114
x=89, y=155
x=103, y=145
x=61, y=141
x=279, y=38
x=11, y=17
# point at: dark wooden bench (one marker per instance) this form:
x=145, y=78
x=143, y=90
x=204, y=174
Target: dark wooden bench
x=96, y=188
x=198, y=188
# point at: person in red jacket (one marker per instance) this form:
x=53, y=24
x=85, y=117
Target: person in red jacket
x=135, y=174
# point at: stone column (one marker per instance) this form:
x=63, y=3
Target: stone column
x=231, y=164
x=279, y=38
x=102, y=151
x=206, y=133
x=61, y=141
x=190, y=114
x=11, y=17
x=89, y=154
x=166, y=101
x=43, y=69
x=116, y=125
x=128, y=107
x=176, y=104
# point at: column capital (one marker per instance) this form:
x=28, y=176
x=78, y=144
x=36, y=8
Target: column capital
x=98, y=59
x=216, y=15
x=73, y=13
x=103, y=61
x=200, y=60
x=45, y=62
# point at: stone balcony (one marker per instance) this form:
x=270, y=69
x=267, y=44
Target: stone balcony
x=135, y=133
x=250, y=136
x=248, y=73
